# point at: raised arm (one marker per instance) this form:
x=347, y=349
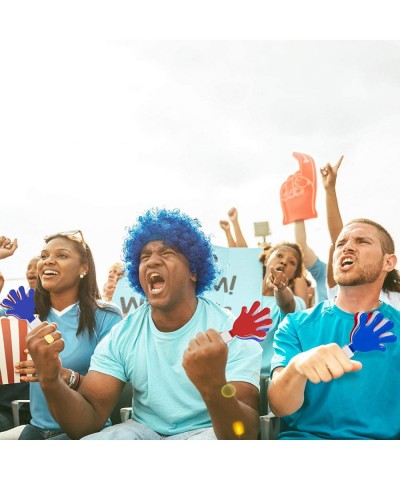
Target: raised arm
x=7, y=247
x=227, y=229
x=233, y=217
x=309, y=256
x=334, y=218
x=301, y=288
x=329, y=176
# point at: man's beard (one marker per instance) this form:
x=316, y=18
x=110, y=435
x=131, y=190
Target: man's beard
x=367, y=275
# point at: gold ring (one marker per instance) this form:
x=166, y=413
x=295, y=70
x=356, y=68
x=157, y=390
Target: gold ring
x=49, y=338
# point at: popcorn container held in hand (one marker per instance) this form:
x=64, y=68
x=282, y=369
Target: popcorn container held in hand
x=13, y=332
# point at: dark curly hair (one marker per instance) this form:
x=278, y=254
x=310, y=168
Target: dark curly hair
x=178, y=231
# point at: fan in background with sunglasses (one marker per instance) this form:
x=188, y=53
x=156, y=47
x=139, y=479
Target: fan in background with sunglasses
x=68, y=301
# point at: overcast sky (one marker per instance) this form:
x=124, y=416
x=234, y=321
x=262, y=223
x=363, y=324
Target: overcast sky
x=97, y=127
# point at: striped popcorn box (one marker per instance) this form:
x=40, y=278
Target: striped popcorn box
x=13, y=334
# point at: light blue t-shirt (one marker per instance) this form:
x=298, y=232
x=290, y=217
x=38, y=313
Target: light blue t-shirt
x=76, y=354
x=359, y=405
x=318, y=272
x=277, y=316
x=164, y=398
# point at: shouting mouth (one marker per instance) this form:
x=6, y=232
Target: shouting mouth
x=156, y=283
x=346, y=263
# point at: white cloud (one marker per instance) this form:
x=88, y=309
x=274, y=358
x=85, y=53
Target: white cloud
x=96, y=127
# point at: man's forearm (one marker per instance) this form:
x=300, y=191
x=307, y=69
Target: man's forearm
x=230, y=239
x=233, y=419
x=285, y=300
x=240, y=240
x=286, y=391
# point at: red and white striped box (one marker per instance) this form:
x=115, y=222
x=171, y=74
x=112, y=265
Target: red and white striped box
x=13, y=332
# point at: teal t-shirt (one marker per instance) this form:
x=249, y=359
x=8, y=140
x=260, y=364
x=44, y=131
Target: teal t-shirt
x=359, y=405
x=277, y=316
x=164, y=398
x=76, y=354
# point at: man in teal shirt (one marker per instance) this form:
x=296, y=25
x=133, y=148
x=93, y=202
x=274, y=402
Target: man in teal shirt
x=187, y=382
x=318, y=390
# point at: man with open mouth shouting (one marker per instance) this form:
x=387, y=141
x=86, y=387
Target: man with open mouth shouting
x=317, y=388
x=187, y=382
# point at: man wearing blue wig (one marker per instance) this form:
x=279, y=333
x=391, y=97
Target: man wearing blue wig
x=187, y=382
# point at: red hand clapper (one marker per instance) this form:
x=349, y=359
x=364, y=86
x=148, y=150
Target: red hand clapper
x=250, y=325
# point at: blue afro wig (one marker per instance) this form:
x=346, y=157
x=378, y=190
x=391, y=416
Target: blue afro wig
x=178, y=231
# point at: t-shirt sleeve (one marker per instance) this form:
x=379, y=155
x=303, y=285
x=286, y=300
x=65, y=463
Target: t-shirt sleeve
x=106, y=359
x=318, y=270
x=286, y=343
x=244, y=361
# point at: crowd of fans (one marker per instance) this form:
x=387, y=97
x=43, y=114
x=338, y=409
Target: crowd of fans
x=188, y=380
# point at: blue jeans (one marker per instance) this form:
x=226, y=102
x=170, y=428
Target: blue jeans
x=132, y=430
x=30, y=432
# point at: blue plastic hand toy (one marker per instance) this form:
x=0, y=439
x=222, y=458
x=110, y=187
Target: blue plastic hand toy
x=370, y=332
x=20, y=304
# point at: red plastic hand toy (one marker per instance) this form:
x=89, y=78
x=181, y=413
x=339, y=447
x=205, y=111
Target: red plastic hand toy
x=299, y=191
x=250, y=325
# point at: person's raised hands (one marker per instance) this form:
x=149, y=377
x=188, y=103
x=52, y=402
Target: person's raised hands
x=7, y=247
x=329, y=174
x=233, y=214
x=225, y=225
